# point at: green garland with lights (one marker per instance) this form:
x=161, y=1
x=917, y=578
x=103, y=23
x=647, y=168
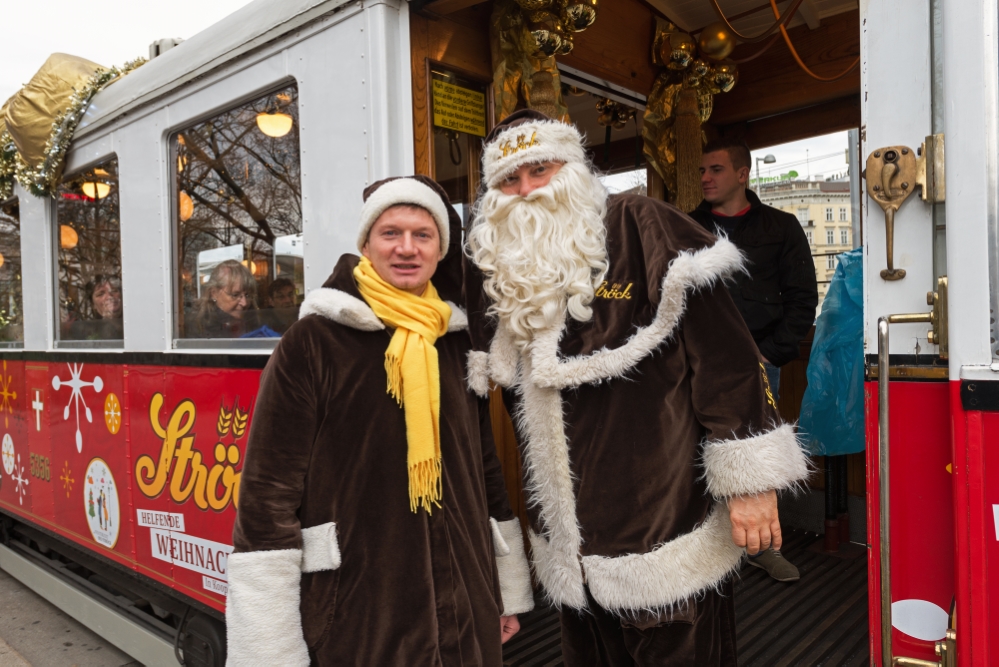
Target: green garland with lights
x=43, y=179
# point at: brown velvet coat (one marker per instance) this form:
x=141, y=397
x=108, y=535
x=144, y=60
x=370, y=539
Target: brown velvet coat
x=330, y=565
x=635, y=426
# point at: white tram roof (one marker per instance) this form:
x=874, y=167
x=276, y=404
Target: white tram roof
x=250, y=27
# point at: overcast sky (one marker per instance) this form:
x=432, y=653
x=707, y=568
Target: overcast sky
x=109, y=33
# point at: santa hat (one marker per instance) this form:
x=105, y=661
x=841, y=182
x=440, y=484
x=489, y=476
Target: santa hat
x=412, y=190
x=528, y=137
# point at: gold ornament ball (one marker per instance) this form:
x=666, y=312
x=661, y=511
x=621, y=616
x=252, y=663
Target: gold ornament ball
x=692, y=79
x=547, y=43
x=700, y=68
x=580, y=16
x=709, y=83
x=678, y=51
x=726, y=76
x=533, y=5
x=716, y=41
x=566, y=47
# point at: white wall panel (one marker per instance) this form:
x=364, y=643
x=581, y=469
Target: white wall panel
x=896, y=110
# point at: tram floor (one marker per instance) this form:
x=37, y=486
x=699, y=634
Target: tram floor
x=819, y=620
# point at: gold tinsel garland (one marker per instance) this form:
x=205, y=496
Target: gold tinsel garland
x=42, y=180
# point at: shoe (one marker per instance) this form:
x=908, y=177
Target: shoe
x=775, y=565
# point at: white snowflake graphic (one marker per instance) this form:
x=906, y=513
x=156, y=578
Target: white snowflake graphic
x=8, y=454
x=76, y=398
x=21, y=480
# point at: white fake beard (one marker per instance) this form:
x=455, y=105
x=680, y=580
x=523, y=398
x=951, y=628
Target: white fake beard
x=543, y=254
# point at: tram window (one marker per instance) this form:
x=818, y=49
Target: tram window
x=88, y=233
x=238, y=212
x=11, y=317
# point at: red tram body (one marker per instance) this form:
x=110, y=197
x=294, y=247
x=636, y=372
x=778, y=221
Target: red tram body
x=140, y=464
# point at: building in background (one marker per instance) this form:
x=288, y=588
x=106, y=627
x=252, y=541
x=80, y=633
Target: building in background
x=824, y=211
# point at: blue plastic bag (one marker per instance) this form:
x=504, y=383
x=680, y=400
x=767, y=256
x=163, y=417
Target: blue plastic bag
x=832, y=410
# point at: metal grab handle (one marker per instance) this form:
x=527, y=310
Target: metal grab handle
x=884, y=489
x=883, y=492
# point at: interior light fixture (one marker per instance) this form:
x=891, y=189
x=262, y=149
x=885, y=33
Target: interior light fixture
x=68, y=238
x=274, y=124
x=186, y=206
x=1, y=259
x=95, y=189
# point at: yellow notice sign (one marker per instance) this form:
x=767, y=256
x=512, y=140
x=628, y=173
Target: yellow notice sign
x=461, y=109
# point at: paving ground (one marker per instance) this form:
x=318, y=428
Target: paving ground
x=34, y=633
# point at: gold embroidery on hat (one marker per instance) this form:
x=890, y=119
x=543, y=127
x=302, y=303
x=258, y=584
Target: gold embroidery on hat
x=509, y=148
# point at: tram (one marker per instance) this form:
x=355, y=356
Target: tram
x=206, y=192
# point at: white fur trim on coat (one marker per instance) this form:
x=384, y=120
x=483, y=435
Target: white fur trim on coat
x=342, y=308
x=690, y=271
x=262, y=615
x=771, y=460
x=320, y=549
x=669, y=574
x=548, y=482
x=511, y=562
x=530, y=143
x=404, y=191
x=478, y=373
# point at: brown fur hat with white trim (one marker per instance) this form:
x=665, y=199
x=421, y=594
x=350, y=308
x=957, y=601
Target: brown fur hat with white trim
x=412, y=190
x=528, y=137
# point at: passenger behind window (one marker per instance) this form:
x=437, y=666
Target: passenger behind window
x=228, y=305
x=283, y=309
x=103, y=293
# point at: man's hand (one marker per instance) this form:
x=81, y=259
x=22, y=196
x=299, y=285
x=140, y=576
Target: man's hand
x=509, y=626
x=755, y=525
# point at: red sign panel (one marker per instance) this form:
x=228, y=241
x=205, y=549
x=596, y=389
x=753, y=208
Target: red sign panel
x=140, y=464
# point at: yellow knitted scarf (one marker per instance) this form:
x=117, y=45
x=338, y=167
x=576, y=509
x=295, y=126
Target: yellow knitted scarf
x=413, y=374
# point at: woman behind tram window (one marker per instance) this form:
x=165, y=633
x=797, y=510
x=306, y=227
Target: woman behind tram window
x=103, y=294
x=228, y=304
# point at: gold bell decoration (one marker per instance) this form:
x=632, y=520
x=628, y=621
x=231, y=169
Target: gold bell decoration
x=681, y=101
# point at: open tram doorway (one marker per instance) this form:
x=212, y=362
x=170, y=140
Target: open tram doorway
x=604, y=85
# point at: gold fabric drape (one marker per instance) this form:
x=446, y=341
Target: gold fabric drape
x=29, y=114
x=512, y=44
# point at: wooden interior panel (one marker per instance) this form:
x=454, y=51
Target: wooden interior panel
x=509, y=456
x=618, y=47
x=460, y=41
x=834, y=116
x=774, y=84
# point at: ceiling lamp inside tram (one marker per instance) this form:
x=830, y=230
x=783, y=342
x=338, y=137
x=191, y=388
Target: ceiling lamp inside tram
x=275, y=124
x=68, y=238
x=96, y=188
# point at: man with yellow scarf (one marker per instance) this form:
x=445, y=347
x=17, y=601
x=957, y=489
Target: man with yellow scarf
x=373, y=524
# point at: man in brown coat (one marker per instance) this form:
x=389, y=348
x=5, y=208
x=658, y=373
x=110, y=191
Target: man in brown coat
x=373, y=526
x=650, y=442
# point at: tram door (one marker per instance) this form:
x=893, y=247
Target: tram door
x=928, y=140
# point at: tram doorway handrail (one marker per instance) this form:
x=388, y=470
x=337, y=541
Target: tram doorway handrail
x=884, y=529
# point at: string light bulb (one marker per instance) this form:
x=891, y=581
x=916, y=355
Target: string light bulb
x=68, y=238
x=185, y=207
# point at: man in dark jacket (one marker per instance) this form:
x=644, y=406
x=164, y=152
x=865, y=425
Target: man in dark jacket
x=778, y=294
